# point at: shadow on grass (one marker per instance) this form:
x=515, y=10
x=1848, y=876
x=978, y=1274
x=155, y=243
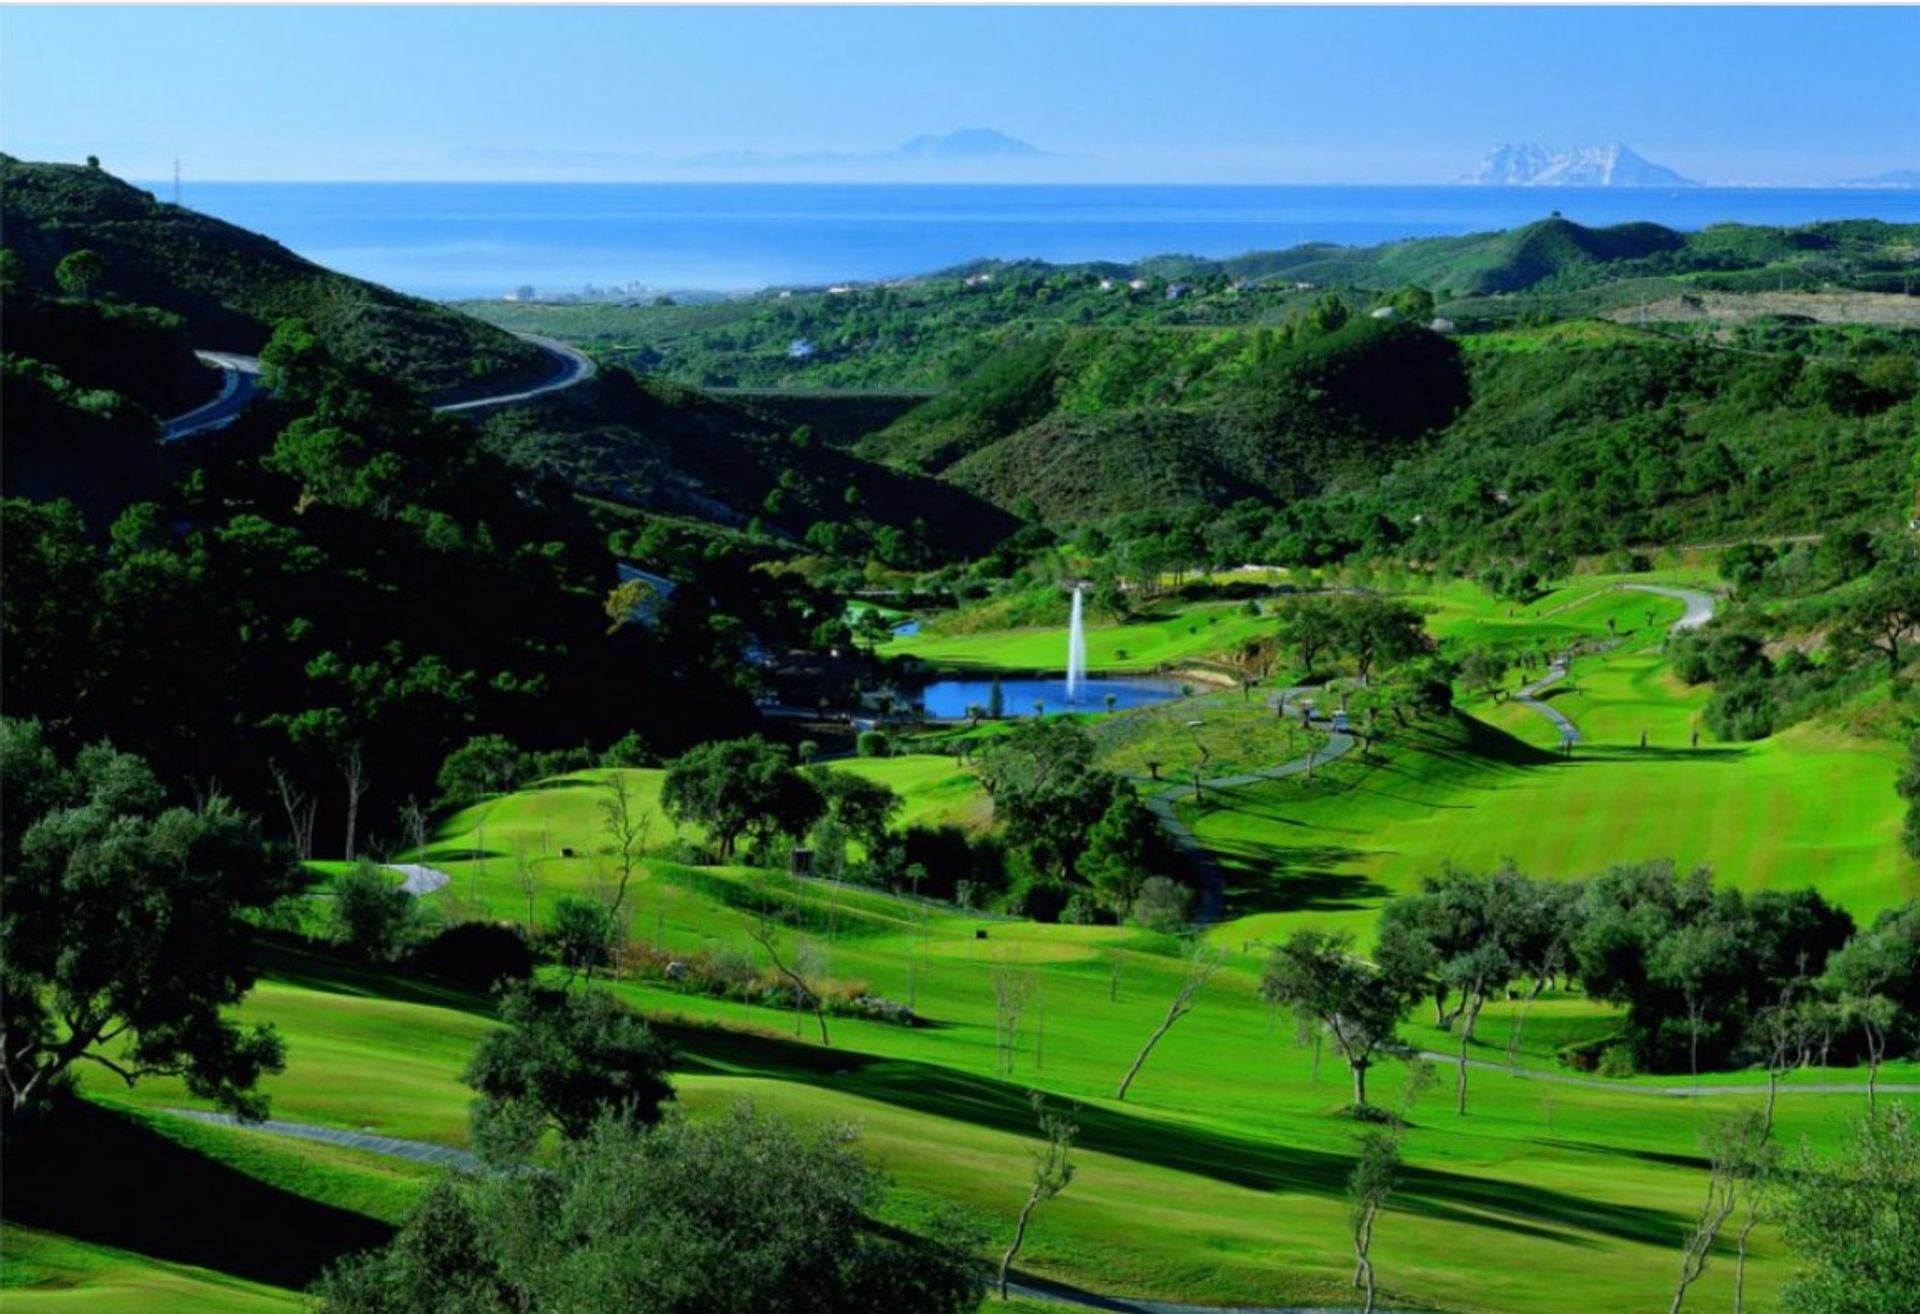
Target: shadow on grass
x=291, y=961
x=1657, y=756
x=111, y=1179
x=1303, y=878
x=1219, y=1156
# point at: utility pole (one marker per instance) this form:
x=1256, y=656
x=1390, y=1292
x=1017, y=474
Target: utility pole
x=176, y=180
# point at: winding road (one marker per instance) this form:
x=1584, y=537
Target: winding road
x=240, y=379
x=1213, y=881
x=242, y=383
x=1700, y=609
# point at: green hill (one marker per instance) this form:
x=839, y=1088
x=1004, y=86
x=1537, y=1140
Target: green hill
x=229, y=286
x=1095, y=422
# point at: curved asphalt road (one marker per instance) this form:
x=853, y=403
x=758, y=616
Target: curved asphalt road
x=1700, y=608
x=242, y=381
x=1699, y=605
x=1212, y=880
x=575, y=367
x=241, y=378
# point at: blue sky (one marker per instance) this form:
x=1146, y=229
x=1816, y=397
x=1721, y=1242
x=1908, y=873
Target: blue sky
x=1164, y=94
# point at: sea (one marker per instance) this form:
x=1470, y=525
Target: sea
x=481, y=240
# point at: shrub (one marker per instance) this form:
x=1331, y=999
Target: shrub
x=477, y=955
x=580, y=935
x=1162, y=905
x=1742, y=711
x=1616, y=1061
x=874, y=743
x=373, y=917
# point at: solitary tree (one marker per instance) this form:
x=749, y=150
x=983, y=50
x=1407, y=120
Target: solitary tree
x=626, y=825
x=801, y=972
x=1052, y=1170
x=1889, y=610
x=562, y=1061
x=126, y=927
x=79, y=272
x=1376, y=1170
x=736, y=786
x=1317, y=975
x=1736, y=1147
x=373, y=916
x=1202, y=963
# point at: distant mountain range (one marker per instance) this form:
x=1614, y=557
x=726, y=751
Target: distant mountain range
x=966, y=154
x=1529, y=164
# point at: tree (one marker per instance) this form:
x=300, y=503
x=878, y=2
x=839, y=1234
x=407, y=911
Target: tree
x=373, y=917
x=1908, y=787
x=1124, y=849
x=1311, y=627
x=1162, y=905
x=1013, y=990
x=1046, y=791
x=485, y=764
x=1202, y=963
x=739, y=1212
x=866, y=808
x=1376, y=1170
x=733, y=786
x=79, y=272
x=126, y=927
x=1737, y=1151
x=1052, y=1171
x=1696, y=960
x=1373, y=630
x=1694, y=965
x=579, y=935
x=800, y=974
x=1852, y=1221
x=1870, y=978
x=626, y=827
x=1317, y=976
x=353, y=776
x=629, y=601
x=562, y=1061
x=1882, y=617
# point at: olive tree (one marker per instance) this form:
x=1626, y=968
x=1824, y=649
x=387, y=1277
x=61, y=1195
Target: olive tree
x=1318, y=976
x=126, y=927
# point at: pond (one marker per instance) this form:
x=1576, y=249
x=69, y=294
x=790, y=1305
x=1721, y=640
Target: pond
x=949, y=699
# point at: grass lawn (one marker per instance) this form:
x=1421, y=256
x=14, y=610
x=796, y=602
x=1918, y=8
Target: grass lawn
x=1808, y=806
x=51, y=1274
x=1220, y=1178
x=1163, y=636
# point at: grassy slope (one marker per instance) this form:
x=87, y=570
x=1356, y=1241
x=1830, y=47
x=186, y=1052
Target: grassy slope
x=1162, y=636
x=1216, y=1180
x=1220, y=1177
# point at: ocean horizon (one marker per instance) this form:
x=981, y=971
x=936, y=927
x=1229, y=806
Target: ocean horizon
x=482, y=240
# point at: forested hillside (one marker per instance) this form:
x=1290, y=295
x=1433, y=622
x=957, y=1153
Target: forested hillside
x=229, y=286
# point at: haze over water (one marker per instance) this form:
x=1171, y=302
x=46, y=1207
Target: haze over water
x=482, y=239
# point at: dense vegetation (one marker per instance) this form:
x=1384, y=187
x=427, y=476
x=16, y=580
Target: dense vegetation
x=230, y=287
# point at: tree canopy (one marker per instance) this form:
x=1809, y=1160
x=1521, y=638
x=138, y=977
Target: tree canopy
x=561, y=1061
x=743, y=1212
x=125, y=926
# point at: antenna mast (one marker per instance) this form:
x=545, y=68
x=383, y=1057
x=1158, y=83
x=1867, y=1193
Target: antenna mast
x=176, y=180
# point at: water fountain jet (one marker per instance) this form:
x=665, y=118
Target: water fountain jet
x=1076, y=648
